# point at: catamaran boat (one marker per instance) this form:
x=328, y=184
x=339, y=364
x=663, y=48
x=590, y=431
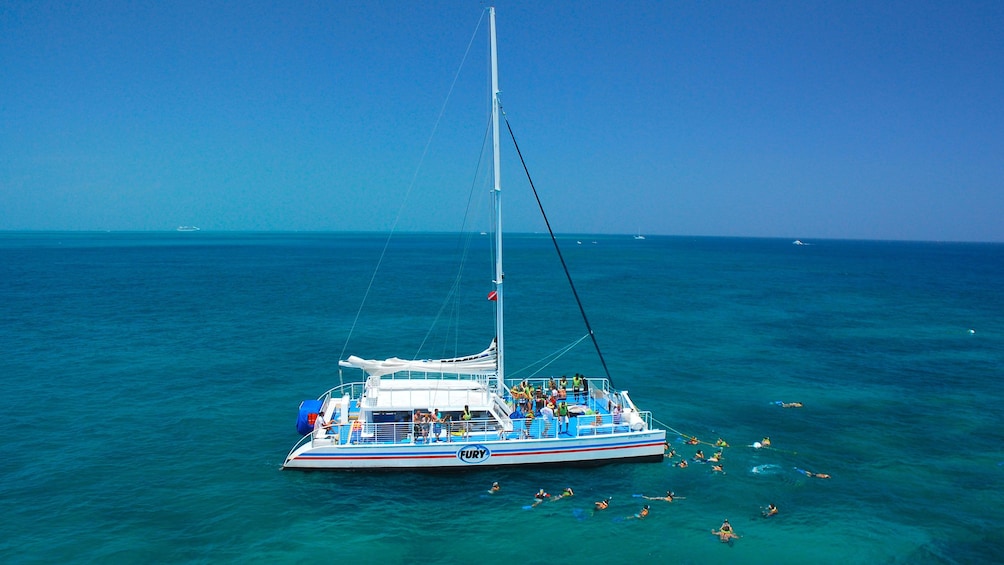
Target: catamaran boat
x=463, y=413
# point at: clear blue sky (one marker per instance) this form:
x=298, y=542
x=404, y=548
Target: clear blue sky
x=865, y=120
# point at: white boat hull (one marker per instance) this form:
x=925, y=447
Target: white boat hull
x=464, y=455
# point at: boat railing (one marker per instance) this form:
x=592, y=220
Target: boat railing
x=357, y=433
x=353, y=389
x=366, y=433
x=426, y=375
x=595, y=386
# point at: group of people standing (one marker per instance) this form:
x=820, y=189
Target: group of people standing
x=528, y=396
x=550, y=403
x=432, y=424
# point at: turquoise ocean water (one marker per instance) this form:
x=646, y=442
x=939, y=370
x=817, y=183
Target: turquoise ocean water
x=150, y=385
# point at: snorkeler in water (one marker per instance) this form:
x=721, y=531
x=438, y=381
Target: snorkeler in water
x=541, y=496
x=791, y=405
x=670, y=497
x=641, y=513
x=725, y=532
x=564, y=494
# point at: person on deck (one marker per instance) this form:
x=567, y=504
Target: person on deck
x=466, y=417
x=547, y=413
x=416, y=426
x=448, y=423
x=321, y=426
x=355, y=431
x=563, y=417
x=576, y=386
x=437, y=424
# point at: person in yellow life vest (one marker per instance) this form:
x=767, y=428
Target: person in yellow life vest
x=576, y=386
x=466, y=417
x=765, y=442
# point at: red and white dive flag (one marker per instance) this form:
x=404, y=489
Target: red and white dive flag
x=493, y=295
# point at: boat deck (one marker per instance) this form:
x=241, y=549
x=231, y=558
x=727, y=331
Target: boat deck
x=589, y=416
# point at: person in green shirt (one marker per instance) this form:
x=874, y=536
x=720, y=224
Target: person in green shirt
x=563, y=417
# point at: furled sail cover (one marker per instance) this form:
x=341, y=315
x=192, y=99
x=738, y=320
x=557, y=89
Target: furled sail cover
x=484, y=363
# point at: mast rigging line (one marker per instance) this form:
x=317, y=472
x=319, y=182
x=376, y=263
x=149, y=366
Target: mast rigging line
x=557, y=249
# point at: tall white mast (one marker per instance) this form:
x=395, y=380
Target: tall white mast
x=499, y=335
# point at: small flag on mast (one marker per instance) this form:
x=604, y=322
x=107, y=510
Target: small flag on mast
x=493, y=295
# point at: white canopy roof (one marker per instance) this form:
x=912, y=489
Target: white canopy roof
x=484, y=363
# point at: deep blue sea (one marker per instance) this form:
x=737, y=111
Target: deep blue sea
x=150, y=383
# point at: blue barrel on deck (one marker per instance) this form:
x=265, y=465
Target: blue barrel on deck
x=305, y=419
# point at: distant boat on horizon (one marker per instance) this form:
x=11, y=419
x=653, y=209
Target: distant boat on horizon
x=188, y=228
